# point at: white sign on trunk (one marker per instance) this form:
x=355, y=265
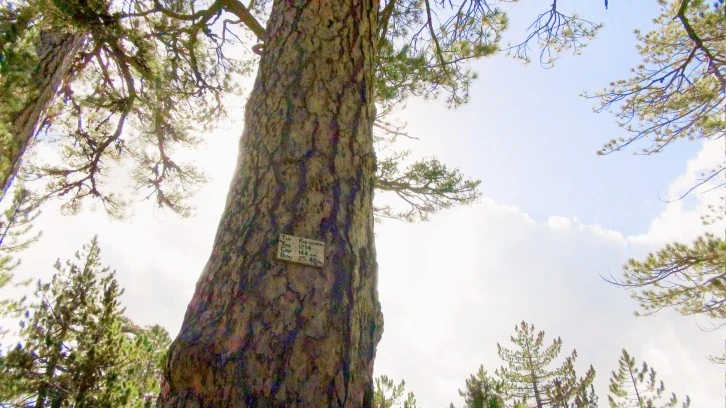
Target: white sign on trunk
x=301, y=250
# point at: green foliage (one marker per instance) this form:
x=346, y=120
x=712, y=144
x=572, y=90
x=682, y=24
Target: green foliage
x=568, y=391
x=18, y=62
x=482, y=391
x=138, y=66
x=16, y=222
x=423, y=50
x=679, y=91
x=147, y=363
x=147, y=63
x=555, y=32
x=631, y=386
x=388, y=394
x=527, y=374
x=690, y=279
x=586, y=398
x=423, y=47
x=74, y=349
x=15, y=226
x=15, y=236
x=427, y=186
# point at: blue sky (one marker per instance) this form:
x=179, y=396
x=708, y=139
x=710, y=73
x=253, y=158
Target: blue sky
x=553, y=218
x=531, y=138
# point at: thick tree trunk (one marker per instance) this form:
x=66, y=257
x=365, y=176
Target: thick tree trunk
x=260, y=332
x=56, y=50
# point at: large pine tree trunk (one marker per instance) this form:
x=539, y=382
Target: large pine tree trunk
x=56, y=50
x=260, y=332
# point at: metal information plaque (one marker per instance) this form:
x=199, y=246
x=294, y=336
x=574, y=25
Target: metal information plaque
x=301, y=250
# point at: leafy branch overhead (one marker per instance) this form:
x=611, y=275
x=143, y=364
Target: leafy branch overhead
x=426, y=186
x=555, y=32
x=145, y=77
x=691, y=279
x=151, y=65
x=679, y=91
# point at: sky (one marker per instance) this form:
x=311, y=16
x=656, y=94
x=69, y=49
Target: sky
x=554, y=218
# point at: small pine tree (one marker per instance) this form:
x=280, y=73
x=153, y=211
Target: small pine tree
x=388, y=394
x=528, y=376
x=482, y=391
x=73, y=350
x=637, y=387
x=567, y=391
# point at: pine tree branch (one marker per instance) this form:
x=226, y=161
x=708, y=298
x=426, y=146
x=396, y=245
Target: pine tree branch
x=237, y=8
x=434, y=38
x=384, y=20
x=712, y=60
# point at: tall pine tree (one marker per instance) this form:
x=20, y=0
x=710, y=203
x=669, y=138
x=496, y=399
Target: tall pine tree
x=529, y=377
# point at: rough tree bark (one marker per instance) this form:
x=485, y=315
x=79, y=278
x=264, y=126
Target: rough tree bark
x=56, y=50
x=260, y=332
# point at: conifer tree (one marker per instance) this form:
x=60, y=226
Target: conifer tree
x=529, y=377
x=146, y=365
x=388, y=394
x=482, y=391
x=72, y=350
x=16, y=234
x=586, y=399
x=678, y=92
x=561, y=393
x=631, y=386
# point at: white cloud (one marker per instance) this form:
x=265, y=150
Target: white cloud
x=681, y=219
x=559, y=222
x=481, y=270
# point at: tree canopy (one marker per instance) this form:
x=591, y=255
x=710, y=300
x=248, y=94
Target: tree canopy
x=148, y=76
